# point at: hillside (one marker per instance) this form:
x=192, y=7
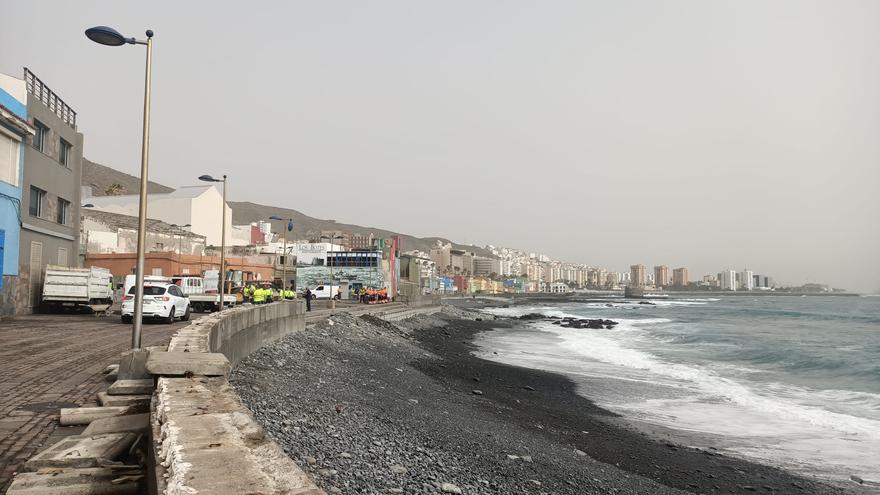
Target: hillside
x=101, y=177
x=246, y=212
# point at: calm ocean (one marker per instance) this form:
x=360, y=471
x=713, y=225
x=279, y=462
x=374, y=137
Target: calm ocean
x=788, y=381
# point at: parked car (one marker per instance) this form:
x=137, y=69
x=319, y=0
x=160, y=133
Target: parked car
x=130, y=279
x=163, y=301
x=323, y=291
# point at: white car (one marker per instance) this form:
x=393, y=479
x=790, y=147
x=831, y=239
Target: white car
x=165, y=301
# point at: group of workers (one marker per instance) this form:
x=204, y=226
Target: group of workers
x=264, y=294
x=372, y=296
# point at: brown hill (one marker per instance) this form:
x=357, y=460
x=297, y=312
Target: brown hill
x=105, y=180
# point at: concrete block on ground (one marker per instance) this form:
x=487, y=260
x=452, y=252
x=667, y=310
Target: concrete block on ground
x=211, y=443
x=87, y=481
x=131, y=387
x=111, y=368
x=133, y=365
x=82, y=451
x=132, y=423
x=108, y=400
x=85, y=415
x=188, y=363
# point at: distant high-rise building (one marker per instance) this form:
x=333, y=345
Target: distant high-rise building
x=661, y=276
x=680, y=277
x=746, y=280
x=637, y=275
x=727, y=279
x=441, y=256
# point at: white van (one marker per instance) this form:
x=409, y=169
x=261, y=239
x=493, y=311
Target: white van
x=324, y=291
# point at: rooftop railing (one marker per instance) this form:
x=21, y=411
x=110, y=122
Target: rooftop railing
x=40, y=91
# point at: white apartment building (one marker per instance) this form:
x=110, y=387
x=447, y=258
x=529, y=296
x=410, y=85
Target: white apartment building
x=747, y=280
x=728, y=280
x=198, y=206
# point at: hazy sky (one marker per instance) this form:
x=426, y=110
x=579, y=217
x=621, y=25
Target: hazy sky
x=695, y=133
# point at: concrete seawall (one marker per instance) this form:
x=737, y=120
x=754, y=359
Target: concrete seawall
x=204, y=439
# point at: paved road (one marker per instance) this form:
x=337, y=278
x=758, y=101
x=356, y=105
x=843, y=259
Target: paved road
x=52, y=361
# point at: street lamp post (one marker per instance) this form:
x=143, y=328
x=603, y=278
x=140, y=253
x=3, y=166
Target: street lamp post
x=108, y=36
x=288, y=228
x=331, y=238
x=222, y=277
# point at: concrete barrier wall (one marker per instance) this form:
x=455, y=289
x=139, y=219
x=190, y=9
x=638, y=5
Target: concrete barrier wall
x=204, y=439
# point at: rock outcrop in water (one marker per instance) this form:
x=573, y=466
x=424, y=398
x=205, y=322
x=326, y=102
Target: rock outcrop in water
x=571, y=322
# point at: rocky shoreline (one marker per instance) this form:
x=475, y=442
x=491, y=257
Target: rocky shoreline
x=367, y=406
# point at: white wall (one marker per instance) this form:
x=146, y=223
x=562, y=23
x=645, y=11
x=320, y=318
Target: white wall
x=201, y=211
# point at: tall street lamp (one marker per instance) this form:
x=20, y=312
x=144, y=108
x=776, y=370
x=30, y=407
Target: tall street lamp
x=331, y=238
x=108, y=36
x=289, y=228
x=222, y=277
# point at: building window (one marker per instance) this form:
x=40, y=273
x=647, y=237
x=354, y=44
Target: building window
x=63, y=209
x=41, y=135
x=62, y=256
x=64, y=153
x=9, y=159
x=37, y=202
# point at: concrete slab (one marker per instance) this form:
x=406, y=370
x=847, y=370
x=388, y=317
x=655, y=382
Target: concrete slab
x=108, y=400
x=82, y=451
x=85, y=415
x=132, y=365
x=133, y=423
x=188, y=364
x=88, y=481
x=131, y=387
x=210, y=443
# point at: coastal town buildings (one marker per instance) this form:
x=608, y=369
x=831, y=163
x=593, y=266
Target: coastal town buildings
x=335, y=236
x=638, y=277
x=361, y=241
x=485, y=267
x=462, y=262
x=51, y=189
x=105, y=232
x=14, y=133
x=746, y=280
x=441, y=256
x=199, y=206
x=727, y=280
x=661, y=276
x=680, y=277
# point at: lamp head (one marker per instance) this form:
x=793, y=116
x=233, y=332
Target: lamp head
x=105, y=35
x=207, y=178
